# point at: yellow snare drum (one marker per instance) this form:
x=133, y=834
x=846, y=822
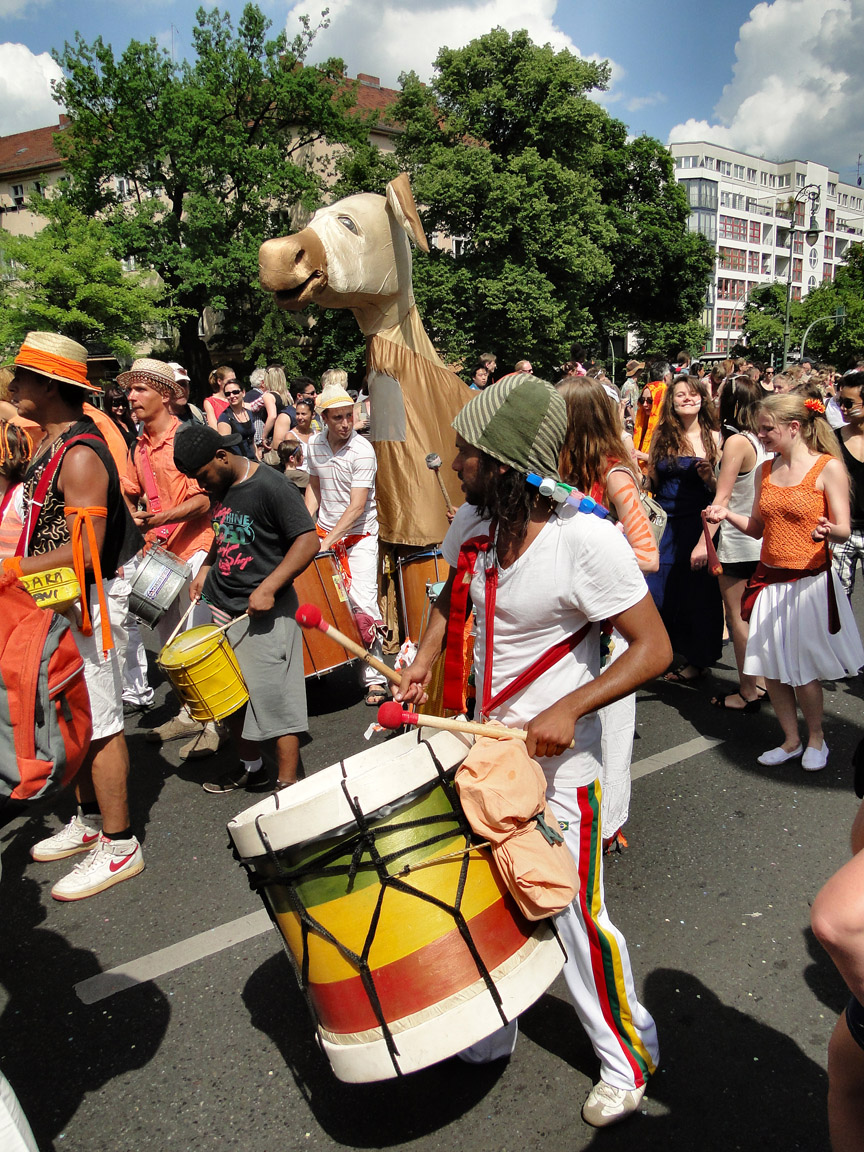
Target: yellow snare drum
x=57, y=588
x=204, y=673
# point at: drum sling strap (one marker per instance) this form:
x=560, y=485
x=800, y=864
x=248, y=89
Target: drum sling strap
x=167, y=531
x=364, y=852
x=340, y=553
x=468, y=553
x=83, y=524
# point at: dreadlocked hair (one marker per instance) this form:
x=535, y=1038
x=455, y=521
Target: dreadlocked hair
x=16, y=448
x=506, y=498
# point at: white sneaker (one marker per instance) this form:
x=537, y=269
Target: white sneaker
x=815, y=759
x=109, y=862
x=779, y=755
x=607, y=1105
x=79, y=835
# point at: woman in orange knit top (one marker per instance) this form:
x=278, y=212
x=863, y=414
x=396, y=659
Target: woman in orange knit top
x=802, y=629
x=596, y=460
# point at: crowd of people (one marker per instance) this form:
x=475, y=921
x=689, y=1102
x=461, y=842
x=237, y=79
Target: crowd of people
x=579, y=597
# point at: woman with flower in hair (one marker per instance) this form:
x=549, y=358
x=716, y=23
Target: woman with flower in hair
x=802, y=630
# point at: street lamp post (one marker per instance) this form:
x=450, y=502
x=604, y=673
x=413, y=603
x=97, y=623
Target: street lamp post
x=811, y=193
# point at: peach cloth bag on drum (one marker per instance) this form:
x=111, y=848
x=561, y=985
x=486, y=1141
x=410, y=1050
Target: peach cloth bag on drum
x=404, y=937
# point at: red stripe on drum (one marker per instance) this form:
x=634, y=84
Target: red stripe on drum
x=427, y=976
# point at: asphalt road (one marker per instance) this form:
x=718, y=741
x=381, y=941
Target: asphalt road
x=218, y=1051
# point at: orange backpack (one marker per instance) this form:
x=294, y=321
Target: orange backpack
x=45, y=721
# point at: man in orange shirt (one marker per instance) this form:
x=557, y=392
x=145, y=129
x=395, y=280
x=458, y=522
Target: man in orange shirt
x=176, y=517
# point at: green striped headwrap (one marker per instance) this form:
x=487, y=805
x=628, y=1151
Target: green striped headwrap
x=520, y=420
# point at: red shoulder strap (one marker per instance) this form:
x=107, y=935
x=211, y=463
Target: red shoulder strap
x=167, y=530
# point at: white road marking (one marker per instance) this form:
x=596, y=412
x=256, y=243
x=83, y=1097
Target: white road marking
x=672, y=756
x=166, y=960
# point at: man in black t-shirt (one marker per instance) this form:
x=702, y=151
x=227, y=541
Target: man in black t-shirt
x=850, y=399
x=264, y=538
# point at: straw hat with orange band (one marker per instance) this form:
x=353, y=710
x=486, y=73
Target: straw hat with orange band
x=56, y=357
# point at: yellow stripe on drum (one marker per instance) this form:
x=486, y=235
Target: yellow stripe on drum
x=406, y=925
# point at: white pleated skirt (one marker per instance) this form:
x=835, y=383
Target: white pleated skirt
x=789, y=639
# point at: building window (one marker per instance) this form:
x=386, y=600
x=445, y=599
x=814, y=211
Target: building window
x=728, y=289
x=733, y=259
x=708, y=163
x=701, y=193
x=128, y=264
x=828, y=250
x=725, y=167
x=461, y=245
x=731, y=228
x=813, y=258
x=739, y=171
x=829, y=219
x=687, y=162
x=800, y=179
x=763, y=179
x=797, y=270
x=811, y=283
x=798, y=244
x=729, y=319
x=828, y=272
x=796, y=292
x=755, y=232
x=122, y=187
x=751, y=175
x=704, y=222
x=784, y=181
x=754, y=263
x=18, y=196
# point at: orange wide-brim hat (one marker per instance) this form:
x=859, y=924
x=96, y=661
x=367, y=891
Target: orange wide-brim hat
x=56, y=357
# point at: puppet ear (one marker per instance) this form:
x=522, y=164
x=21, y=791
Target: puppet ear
x=401, y=201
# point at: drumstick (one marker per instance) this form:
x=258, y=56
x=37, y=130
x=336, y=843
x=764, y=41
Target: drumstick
x=433, y=462
x=391, y=715
x=309, y=616
x=231, y=622
x=183, y=620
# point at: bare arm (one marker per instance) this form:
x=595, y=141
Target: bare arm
x=313, y=496
x=837, y=525
x=210, y=413
x=751, y=525
x=195, y=506
x=83, y=482
x=624, y=497
x=272, y=413
x=299, y=556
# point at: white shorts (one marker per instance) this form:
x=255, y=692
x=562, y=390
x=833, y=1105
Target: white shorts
x=104, y=674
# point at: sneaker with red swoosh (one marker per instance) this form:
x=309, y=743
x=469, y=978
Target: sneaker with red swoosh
x=108, y=863
x=79, y=835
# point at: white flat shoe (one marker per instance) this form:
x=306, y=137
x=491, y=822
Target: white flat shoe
x=780, y=756
x=815, y=759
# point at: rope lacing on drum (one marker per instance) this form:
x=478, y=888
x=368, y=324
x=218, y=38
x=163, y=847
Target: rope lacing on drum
x=366, y=845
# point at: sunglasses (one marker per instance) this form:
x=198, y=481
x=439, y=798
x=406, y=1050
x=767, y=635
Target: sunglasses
x=849, y=404
x=646, y=399
x=235, y=393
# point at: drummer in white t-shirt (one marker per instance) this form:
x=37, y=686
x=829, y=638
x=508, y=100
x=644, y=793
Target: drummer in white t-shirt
x=341, y=490
x=552, y=573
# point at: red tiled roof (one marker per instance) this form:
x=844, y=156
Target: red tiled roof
x=30, y=151
x=373, y=98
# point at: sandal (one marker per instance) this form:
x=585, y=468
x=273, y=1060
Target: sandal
x=676, y=675
x=749, y=705
x=376, y=696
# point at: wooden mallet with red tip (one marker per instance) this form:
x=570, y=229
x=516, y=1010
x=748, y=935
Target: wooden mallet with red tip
x=309, y=616
x=391, y=715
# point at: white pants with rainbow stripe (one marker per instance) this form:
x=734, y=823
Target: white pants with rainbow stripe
x=597, y=972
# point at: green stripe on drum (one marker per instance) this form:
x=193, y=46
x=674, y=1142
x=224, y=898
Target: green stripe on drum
x=326, y=868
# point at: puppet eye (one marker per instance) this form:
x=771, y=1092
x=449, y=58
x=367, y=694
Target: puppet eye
x=348, y=223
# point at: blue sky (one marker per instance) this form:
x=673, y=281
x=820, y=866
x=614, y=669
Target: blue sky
x=780, y=78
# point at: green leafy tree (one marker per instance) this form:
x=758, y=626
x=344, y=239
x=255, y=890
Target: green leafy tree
x=572, y=232
x=213, y=155
x=68, y=278
x=840, y=344
x=764, y=319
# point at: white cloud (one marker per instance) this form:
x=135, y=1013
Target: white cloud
x=797, y=87
x=386, y=37
x=25, y=89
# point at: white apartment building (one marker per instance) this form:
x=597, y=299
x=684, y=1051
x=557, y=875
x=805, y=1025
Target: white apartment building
x=743, y=206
